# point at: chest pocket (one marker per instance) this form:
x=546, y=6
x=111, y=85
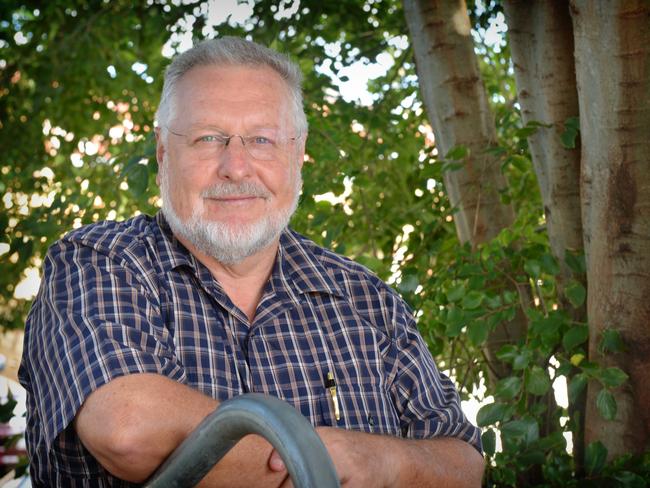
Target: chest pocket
x=291, y=359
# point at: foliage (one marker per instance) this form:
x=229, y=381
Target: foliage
x=80, y=86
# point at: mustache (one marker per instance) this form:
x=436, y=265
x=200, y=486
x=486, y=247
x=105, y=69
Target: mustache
x=236, y=189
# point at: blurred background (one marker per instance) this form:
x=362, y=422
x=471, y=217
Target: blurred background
x=462, y=151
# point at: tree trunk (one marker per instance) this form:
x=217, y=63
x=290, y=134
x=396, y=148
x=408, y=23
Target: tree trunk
x=457, y=107
x=541, y=46
x=456, y=104
x=612, y=50
x=541, y=43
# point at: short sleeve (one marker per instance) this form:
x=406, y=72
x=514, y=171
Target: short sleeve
x=427, y=400
x=92, y=321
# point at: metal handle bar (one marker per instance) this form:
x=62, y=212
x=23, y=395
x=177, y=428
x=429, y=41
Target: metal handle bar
x=290, y=433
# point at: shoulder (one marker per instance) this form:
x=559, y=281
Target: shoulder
x=112, y=237
x=132, y=246
x=367, y=293
x=335, y=264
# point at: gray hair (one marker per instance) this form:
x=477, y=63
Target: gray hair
x=232, y=51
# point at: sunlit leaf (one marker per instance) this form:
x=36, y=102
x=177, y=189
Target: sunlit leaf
x=492, y=413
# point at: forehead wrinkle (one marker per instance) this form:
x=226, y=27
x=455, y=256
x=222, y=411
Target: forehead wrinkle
x=235, y=108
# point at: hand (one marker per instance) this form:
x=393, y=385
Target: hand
x=361, y=460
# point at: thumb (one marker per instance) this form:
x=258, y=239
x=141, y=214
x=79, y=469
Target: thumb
x=275, y=462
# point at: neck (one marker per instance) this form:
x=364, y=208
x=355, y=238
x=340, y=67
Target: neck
x=243, y=281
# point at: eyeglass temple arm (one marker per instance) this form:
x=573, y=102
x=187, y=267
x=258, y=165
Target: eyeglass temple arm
x=301, y=449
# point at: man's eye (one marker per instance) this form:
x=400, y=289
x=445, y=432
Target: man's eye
x=261, y=140
x=210, y=138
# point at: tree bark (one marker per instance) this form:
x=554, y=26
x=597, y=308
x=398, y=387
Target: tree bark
x=612, y=50
x=456, y=103
x=541, y=46
x=457, y=107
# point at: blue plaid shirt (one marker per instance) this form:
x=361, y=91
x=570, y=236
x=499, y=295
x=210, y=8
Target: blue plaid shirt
x=122, y=298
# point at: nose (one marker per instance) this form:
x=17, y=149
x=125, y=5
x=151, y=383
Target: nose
x=234, y=160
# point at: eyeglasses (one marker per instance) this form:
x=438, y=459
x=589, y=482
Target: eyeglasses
x=265, y=144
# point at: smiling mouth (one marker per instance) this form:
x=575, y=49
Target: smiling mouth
x=235, y=198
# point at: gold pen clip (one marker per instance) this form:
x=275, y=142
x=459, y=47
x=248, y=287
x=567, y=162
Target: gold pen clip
x=330, y=384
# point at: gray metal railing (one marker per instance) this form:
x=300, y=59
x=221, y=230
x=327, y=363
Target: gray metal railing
x=290, y=433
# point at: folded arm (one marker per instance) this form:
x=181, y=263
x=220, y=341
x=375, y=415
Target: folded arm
x=131, y=424
x=378, y=461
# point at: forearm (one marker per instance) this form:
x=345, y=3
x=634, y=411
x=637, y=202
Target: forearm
x=133, y=423
x=382, y=461
x=439, y=462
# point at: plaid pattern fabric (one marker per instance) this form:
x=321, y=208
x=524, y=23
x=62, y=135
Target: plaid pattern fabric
x=121, y=298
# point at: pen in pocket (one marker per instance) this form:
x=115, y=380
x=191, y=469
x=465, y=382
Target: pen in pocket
x=330, y=384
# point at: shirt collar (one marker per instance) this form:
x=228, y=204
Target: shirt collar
x=300, y=265
x=173, y=254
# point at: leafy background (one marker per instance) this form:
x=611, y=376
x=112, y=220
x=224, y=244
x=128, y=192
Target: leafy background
x=79, y=85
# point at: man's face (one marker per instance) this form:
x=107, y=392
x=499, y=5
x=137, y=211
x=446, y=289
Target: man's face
x=222, y=200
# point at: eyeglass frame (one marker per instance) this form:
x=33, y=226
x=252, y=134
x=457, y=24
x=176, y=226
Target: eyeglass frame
x=228, y=137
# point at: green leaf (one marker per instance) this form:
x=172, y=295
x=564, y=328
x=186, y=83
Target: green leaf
x=7, y=408
x=477, y=332
x=489, y=441
x=137, y=176
x=606, y=404
x=507, y=353
x=572, y=123
x=522, y=360
x=508, y=388
x=613, y=377
x=576, y=335
x=595, y=457
x=473, y=300
x=576, y=386
x=611, y=342
x=538, y=381
x=533, y=268
x=571, y=131
x=450, y=166
x=455, y=321
x=524, y=431
x=457, y=153
x=493, y=301
x=408, y=284
x=568, y=138
x=549, y=264
x=530, y=458
x=576, y=262
x=554, y=440
x=456, y=292
x=576, y=293
x=492, y=413
x=630, y=480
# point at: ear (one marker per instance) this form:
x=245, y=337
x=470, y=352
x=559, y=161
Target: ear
x=160, y=152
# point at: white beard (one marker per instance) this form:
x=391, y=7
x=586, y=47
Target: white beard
x=229, y=244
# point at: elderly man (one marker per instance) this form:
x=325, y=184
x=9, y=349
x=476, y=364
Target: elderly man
x=142, y=327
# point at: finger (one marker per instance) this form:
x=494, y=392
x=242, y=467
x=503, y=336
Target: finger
x=275, y=462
